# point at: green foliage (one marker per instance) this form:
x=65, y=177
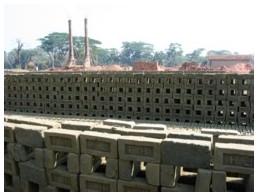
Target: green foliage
x=53, y=51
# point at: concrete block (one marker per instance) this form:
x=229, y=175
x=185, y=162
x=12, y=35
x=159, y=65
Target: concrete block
x=99, y=144
x=219, y=181
x=189, y=135
x=33, y=121
x=30, y=172
x=135, y=186
x=11, y=183
x=62, y=140
x=147, y=133
x=39, y=154
x=186, y=153
x=125, y=169
x=97, y=183
x=48, y=188
x=50, y=159
x=149, y=126
x=63, y=179
x=112, y=168
x=22, y=153
x=217, y=132
x=9, y=132
x=152, y=173
x=178, y=188
x=113, y=122
x=73, y=163
x=139, y=149
x=169, y=175
x=10, y=166
x=238, y=139
x=203, y=180
x=10, y=150
x=237, y=158
x=250, y=183
x=102, y=128
x=87, y=164
x=30, y=135
x=77, y=125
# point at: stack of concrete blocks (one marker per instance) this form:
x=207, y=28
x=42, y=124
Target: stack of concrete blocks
x=24, y=156
x=234, y=154
x=62, y=159
x=182, y=97
x=182, y=151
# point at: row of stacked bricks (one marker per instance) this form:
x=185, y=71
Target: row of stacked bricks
x=205, y=98
x=122, y=156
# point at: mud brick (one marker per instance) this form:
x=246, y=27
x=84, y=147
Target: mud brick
x=99, y=144
x=125, y=169
x=178, y=188
x=50, y=159
x=10, y=166
x=30, y=172
x=97, y=183
x=139, y=149
x=73, y=163
x=30, y=135
x=63, y=140
x=48, y=188
x=190, y=135
x=150, y=126
x=249, y=140
x=177, y=100
x=203, y=180
x=77, y=125
x=219, y=181
x=9, y=132
x=63, y=179
x=33, y=121
x=187, y=153
x=237, y=158
x=169, y=175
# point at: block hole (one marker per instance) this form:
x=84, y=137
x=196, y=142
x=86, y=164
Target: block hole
x=33, y=187
x=8, y=179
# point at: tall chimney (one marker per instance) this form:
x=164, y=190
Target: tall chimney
x=71, y=59
x=86, y=45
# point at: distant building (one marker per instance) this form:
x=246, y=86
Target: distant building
x=227, y=60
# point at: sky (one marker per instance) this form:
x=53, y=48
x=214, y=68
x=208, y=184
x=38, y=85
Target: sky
x=209, y=24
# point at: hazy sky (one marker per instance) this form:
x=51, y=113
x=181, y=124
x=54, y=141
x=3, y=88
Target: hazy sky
x=210, y=24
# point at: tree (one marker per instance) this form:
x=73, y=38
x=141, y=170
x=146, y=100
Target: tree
x=159, y=57
x=218, y=52
x=136, y=51
x=195, y=56
x=174, y=54
x=18, y=51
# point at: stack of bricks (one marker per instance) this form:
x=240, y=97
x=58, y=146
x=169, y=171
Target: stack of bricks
x=225, y=99
x=122, y=156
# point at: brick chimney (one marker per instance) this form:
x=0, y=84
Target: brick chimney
x=86, y=46
x=71, y=59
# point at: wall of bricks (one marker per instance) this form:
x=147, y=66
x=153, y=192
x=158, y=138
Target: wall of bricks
x=182, y=97
x=117, y=155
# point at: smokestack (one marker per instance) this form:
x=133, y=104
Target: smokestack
x=86, y=45
x=71, y=59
